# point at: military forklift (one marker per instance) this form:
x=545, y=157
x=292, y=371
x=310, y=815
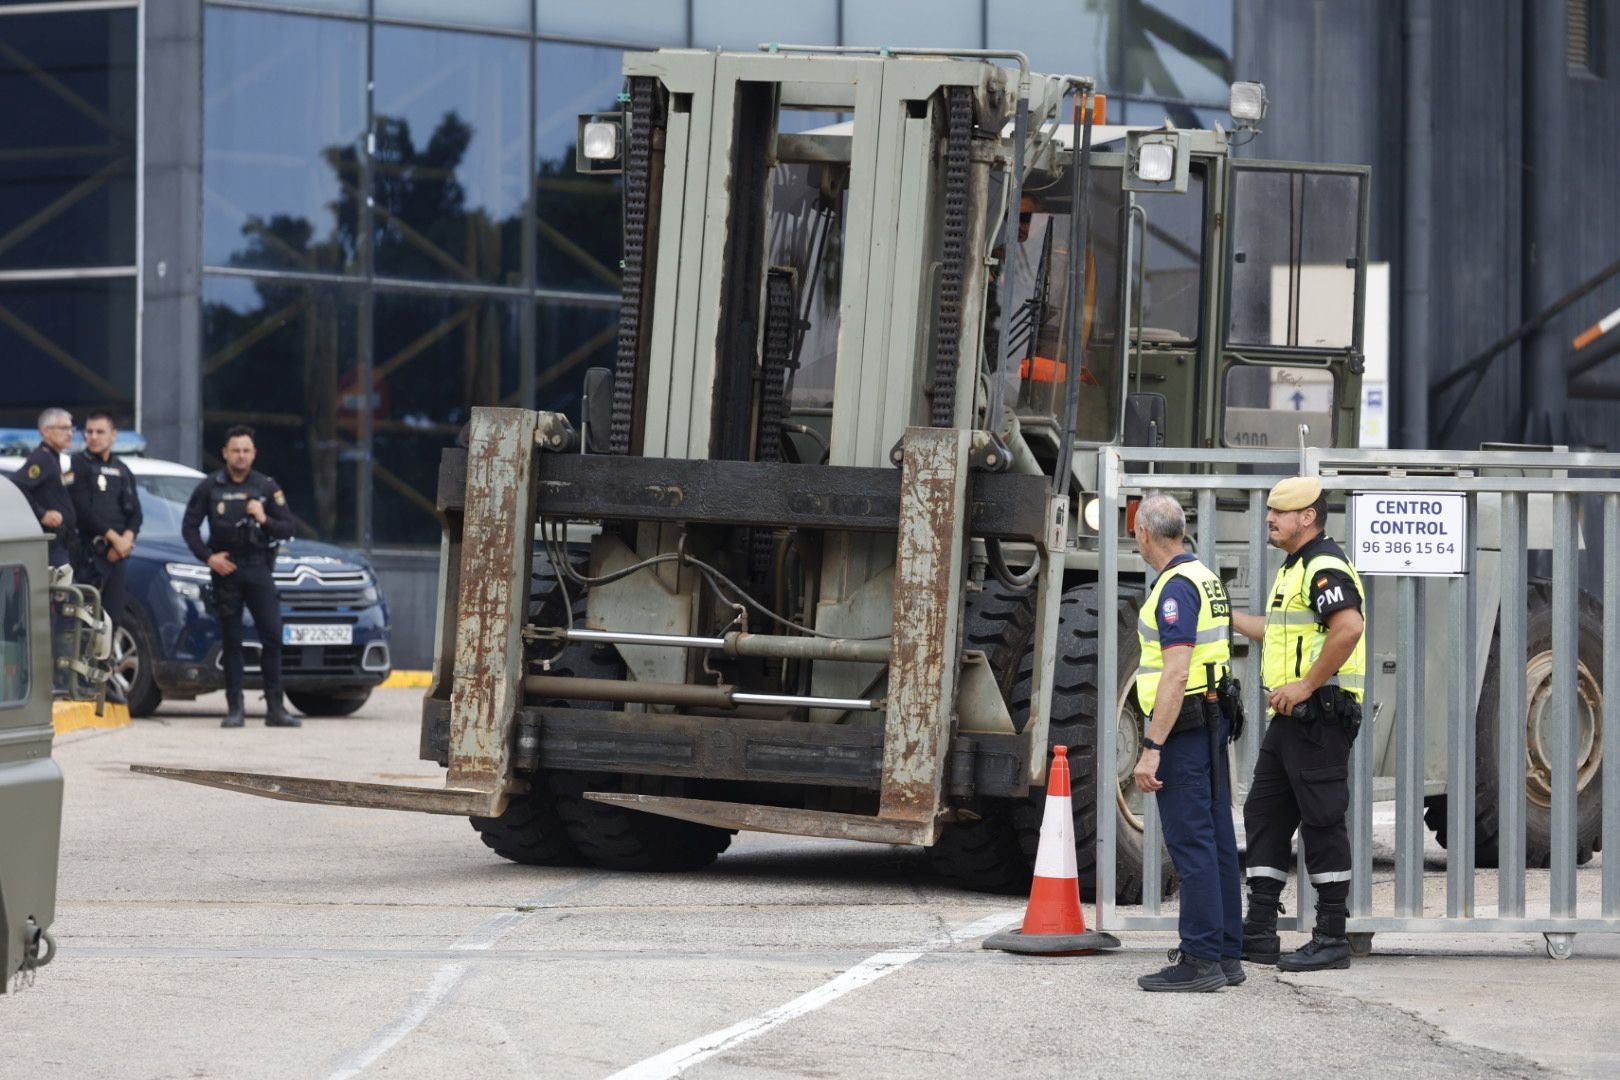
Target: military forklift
x=821, y=557
x=54, y=646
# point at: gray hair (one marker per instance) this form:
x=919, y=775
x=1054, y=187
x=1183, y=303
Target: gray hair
x=53, y=415
x=1162, y=516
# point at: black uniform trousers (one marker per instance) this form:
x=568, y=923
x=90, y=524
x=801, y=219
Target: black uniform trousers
x=1301, y=781
x=112, y=578
x=252, y=585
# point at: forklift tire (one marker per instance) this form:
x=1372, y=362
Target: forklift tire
x=1589, y=767
x=618, y=838
x=997, y=852
x=985, y=855
x=612, y=837
x=1075, y=713
x=530, y=832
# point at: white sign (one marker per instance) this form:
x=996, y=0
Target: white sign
x=1421, y=533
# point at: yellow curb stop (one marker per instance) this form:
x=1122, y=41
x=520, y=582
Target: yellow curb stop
x=416, y=680
x=69, y=716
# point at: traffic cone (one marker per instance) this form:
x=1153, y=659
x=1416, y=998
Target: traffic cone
x=1054, y=925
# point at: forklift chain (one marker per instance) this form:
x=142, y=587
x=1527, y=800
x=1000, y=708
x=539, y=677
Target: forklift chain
x=775, y=364
x=637, y=177
x=953, y=257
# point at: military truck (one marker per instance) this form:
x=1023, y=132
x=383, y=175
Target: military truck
x=821, y=558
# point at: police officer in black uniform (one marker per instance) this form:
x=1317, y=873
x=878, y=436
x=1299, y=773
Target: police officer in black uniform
x=247, y=514
x=44, y=485
x=109, y=512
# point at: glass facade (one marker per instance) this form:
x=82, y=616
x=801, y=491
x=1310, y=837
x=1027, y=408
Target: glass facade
x=67, y=211
x=392, y=228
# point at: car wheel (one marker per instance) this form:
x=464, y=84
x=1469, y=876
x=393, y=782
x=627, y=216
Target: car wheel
x=132, y=668
x=334, y=703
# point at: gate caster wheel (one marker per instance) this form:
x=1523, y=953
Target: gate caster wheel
x=1560, y=946
x=1360, y=945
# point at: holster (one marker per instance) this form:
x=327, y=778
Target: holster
x=1230, y=694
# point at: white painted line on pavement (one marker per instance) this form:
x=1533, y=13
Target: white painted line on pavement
x=448, y=977
x=673, y=1062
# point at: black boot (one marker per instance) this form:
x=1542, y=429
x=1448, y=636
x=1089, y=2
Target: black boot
x=233, y=711
x=1329, y=948
x=276, y=714
x=1321, y=953
x=1261, y=945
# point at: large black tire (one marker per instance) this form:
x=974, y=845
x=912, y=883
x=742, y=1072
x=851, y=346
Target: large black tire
x=1075, y=715
x=1589, y=767
x=329, y=703
x=986, y=855
x=619, y=838
x=132, y=664
x=997, y=852
x=608, y=836
x=530, y=831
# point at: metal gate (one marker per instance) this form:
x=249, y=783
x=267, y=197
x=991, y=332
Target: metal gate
x=1429, y=649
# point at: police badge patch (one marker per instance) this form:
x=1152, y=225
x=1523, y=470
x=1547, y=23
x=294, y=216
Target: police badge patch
x=101, y=482
x=281, y=500
x=33, y=472
x=220, y=508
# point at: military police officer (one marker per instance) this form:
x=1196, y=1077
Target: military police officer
x=44, y=485
x=247, y=514
x=1314, y=665
x=109, y=512
x=1185, y=633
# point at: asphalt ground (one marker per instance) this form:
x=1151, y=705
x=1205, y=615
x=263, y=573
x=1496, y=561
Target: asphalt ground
x=207, y=934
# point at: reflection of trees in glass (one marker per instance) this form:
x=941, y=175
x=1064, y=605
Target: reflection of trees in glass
x=288, y=364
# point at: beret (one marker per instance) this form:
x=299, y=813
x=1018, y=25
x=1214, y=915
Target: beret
x=1295, y=493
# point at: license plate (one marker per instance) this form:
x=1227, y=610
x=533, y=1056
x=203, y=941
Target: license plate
x=315, y=634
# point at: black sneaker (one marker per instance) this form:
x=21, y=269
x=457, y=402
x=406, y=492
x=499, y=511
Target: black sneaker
x=1231, y=967
x=1186, y=976
x=1261, y=946
x=1321, y=953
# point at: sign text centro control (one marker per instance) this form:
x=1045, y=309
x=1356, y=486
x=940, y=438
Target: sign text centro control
x=1415, y=533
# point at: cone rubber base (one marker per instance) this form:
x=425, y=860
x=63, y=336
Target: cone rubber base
x=1016, y=941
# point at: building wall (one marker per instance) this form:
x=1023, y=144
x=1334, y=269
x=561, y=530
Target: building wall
x=1518, y=209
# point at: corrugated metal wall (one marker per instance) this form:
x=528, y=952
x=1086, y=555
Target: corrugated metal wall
x=1522, y=202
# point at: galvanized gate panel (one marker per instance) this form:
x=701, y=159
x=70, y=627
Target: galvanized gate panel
x=1452, y=619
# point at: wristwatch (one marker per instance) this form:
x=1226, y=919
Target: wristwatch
x=1149, y=744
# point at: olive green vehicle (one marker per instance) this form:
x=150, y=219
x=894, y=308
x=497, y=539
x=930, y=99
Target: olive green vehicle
x=823, y=558
x=30, y=782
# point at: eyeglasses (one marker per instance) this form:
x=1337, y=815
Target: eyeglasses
x=58, y=427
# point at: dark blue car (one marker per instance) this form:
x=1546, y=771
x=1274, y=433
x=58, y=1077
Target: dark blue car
x=335, y=622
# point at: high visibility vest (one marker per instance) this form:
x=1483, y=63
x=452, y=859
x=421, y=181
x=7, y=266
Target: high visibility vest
x=1294, y=635
x=1212, y=644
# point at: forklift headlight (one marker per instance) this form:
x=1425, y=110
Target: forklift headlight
x=599, y=143
x=1156, y=163
x=1093, y=515
x=1247, y=103
x=600, y=140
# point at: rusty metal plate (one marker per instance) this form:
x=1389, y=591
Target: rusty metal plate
x=497, y=538
x=927, y=621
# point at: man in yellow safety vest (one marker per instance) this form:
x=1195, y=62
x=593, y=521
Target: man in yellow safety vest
x=1313, y=661
x=1185, y=630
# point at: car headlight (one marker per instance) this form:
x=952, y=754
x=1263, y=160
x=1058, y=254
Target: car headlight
x=187, y=579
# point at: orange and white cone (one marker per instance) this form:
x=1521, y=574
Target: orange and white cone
x=1054, y=924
